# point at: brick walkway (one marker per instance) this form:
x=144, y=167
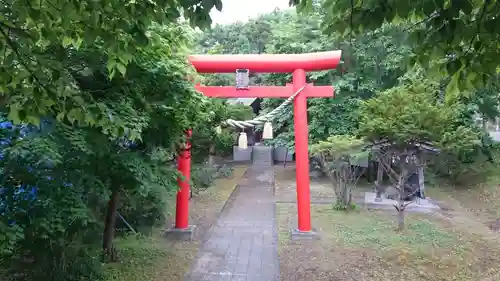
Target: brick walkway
x=243, y=244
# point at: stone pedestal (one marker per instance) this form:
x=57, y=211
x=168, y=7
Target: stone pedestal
x=242, y=155
x=184, y=234
x=281, y=155
x=300, y=235
x=262, y=155
x=419, y=205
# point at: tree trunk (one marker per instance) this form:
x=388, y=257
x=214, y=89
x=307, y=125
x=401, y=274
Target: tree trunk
x=421, y=181
x=378, y=182
x=342, y=188
x=211, y=155
x=347, y=195
x=347, y=186
x=338, y=191
x=109, y=227
x=401, y=217
x=401, y=200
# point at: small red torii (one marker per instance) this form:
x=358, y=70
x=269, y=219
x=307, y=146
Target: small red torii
x=298, y=64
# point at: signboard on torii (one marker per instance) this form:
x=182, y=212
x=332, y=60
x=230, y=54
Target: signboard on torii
x=298, y=64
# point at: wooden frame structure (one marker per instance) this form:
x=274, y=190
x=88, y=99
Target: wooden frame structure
x=298, y=64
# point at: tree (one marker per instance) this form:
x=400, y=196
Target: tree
x=453, y=38
x=205, y=134
x=85, y=174
x=107, y=85
x=370, y=62
x=407, y=118
x=39, y=39
x=340, y=157
x=239, y=38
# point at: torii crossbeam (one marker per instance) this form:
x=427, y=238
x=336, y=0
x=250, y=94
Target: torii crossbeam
x=298, y=64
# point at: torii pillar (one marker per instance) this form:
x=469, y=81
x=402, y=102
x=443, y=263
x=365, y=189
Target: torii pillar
x=298, y=64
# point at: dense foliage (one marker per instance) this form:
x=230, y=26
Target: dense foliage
x=96, y=96
x=208, y=139
x=374, y=60
x=99, y=101
x=454, y=39
x=371, y=62
x=39, y=40
x=81, y=172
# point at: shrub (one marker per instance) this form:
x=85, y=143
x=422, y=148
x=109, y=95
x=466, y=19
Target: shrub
x=203, y=177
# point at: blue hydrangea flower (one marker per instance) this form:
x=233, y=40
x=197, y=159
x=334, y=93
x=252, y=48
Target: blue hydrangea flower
x=6, y=125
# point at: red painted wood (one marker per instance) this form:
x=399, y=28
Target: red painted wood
x=296, y=63
x=266, y=62
x=301, y=153
x=183, y=194
x=309, y=91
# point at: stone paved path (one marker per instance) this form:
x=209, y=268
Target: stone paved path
x=243, y=244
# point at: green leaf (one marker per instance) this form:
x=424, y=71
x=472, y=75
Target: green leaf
x=77, y=43
x=112, y=74
x=122, y=68
x=60, y=116
x=67, y=41
x=14, y=115
x=35, y=120
x=452, y=89
x=79, y=100
x=74, y=115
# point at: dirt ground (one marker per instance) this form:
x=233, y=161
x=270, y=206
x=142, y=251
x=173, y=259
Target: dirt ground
x=321, y=190
x=480, y=202
x=456, y=244
x=157, y=258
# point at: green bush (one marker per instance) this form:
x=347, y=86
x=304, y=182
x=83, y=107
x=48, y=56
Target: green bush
x=203, y=177
x=143, y=212
x=224, y=143
x=467, y=166
x=55, y=238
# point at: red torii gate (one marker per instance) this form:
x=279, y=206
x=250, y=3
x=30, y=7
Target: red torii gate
x=298, y=64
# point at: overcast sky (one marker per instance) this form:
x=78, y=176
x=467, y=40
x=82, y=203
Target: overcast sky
x=241, y=10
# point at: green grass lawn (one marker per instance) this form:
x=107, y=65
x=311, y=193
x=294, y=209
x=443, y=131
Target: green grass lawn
x=364, y=245
x=145, y=258
x=154, y=258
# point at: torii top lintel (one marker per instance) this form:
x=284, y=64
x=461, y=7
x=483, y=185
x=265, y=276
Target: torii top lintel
x=281, y=63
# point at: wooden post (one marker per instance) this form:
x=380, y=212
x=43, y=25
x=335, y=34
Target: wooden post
x=378, y=181
x=183, y=194
x=421, y=180
x=301, y=153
